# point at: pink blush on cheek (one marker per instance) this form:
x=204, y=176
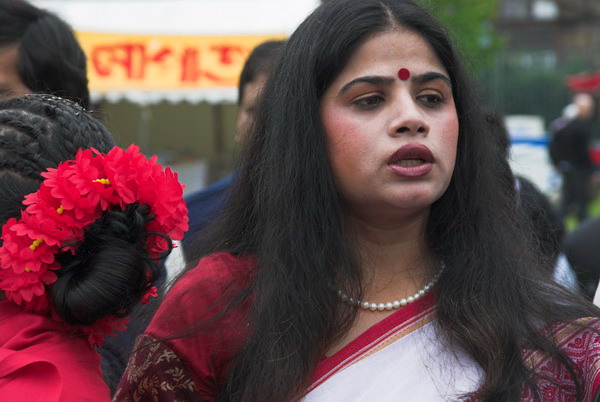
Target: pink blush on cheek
x=344, y=138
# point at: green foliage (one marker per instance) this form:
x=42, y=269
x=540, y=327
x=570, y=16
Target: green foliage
x=470, y=24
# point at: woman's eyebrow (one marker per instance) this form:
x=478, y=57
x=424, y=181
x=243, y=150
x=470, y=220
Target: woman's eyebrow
x=370, y=79
x=430, y=76
x=379, y=79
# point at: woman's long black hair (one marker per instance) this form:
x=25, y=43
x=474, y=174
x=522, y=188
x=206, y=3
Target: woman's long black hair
x=491, y=299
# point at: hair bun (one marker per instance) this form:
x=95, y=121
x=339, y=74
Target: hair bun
x=110, y=271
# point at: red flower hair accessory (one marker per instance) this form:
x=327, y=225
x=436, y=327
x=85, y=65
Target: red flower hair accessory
x=70, y=199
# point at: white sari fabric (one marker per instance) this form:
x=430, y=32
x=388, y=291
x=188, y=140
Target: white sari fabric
x=400, y=358
x=405, y=358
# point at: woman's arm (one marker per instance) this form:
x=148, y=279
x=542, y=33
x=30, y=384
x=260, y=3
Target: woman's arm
x=155, y=372
x=184, y=352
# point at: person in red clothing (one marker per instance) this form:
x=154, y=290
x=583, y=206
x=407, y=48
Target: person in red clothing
x=36, y=135
x=370, y=249
x=40, y=361
x=81, y=230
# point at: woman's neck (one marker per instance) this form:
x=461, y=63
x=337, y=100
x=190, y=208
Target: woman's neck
x=395, y=256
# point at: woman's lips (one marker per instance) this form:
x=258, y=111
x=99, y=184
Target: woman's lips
x=412, y=161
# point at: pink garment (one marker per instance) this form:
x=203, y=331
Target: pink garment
x=41, y=361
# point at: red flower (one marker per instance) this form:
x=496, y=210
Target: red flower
x=107, y=326
x=42, y=203
x=28, y=288
x=17, y=255
x=87, y=173
x=121, y=170
x=71, y=198
x=152, y=292
x=41, y=226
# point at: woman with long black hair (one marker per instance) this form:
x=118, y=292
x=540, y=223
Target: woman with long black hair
x=371, y=249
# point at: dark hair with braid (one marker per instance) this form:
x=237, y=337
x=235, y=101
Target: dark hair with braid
x=108, y=274
x=492, y=296
x=50, y=60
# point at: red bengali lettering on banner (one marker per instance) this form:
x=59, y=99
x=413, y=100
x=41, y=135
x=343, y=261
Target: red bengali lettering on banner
x=132, y=57
x=193, y=70
x=119, y=62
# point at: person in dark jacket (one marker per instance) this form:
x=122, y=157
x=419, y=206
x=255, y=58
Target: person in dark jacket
x=583, y=253
x=569, y=151
x=545, y=223
x=205, y=205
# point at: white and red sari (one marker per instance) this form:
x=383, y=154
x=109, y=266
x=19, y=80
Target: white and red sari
x=399, y=357
x=403, y=357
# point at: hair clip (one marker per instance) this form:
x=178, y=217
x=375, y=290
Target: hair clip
x=55, y=99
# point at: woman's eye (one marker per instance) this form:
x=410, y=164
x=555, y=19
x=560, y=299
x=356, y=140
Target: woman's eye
x=369, y=102
x=432, y=99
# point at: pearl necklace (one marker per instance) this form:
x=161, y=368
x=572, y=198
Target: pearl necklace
x=396, y=303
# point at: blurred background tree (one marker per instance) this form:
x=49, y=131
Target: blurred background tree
x=470, y=24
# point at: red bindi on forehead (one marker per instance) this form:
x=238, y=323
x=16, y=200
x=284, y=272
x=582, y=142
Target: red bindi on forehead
x=403, y=74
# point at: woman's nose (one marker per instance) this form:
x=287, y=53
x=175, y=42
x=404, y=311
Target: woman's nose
x=409, y=119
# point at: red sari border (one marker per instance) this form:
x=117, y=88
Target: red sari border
x=401, y=323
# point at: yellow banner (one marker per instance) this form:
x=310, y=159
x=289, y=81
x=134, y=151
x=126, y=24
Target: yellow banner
x=117, y=62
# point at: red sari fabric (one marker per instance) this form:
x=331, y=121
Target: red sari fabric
x=40, y=361
x=195, y=367
x=190, y=367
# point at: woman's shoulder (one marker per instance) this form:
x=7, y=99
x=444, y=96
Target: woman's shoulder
x=193, y=320
x=214, y=270
x=579, y=340
x=201, y=293
x=34, y=347
x=207, y=283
